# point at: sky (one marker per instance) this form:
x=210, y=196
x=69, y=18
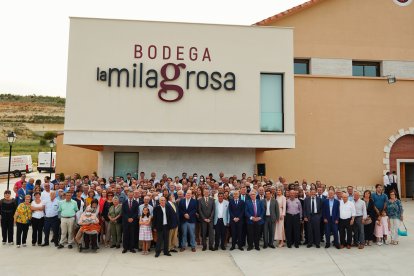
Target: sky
x=34, y=34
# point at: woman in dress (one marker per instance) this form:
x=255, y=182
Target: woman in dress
x=115, y=221
x=38, y=219
x=145, y=231
x=369, y=228
x=7, y=209
x=22, y=218
x=280, y=224
x=395, y=213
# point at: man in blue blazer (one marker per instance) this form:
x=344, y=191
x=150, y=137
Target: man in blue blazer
x=187, y=210
x=254, y=213
x=330, y=213
x=236, y=211
x=129, y=223
x=221, y=220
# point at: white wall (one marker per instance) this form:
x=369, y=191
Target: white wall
x=331, y=67
x=174, y=161
x=398, y=68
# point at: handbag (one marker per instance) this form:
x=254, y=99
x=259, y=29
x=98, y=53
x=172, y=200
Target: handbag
x=402, y=232
x=367, y=221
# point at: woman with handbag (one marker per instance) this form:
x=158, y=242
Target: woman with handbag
x=395, y=213
x=369, y=222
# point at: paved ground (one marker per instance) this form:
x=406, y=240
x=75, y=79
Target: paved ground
x=374, y=260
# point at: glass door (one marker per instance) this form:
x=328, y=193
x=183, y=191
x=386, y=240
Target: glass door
x=126, y=162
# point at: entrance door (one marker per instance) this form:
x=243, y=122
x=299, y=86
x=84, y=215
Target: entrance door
x=409, y=179
x=126, y=162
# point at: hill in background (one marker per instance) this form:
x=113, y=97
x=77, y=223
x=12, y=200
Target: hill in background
x=30, y=117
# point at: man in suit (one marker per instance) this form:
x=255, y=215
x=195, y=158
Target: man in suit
x=221, y=220
x=236, y=212
x=187, y=209
x=129, y=223
x=153, y=202
x=271, y=212
x=254, y=213
x=320, y=190
x=330, y=214
x=312, y=214
x=173, y=239
x=21, y=193
x=206, y=212
x=161, y=223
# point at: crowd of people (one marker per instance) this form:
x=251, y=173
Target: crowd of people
x=176, y=214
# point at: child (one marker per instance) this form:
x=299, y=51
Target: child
x=382, y=227
x=145, y=231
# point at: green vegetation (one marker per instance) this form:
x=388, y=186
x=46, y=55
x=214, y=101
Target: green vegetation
x=56, y=101
x=24, y=147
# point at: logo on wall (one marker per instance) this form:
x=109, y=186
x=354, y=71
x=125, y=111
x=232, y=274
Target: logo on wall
x=165, y=79
x=403, y=3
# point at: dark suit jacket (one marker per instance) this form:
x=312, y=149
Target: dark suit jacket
x=308, y=206
x=249, y=211
x=129, y=213
x=191, y=210
x=158, y=217
x=176, y=216
x=206, y=211
x=156, y=203
x=274, y=209
x=236, y=211
x=326, y=211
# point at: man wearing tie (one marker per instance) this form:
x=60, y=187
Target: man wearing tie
x=244, y=197
x=187, y=210
x=206, y=212
x=271, y=210
x=221, y=220
x=330, y=213
x=236, y=211
x=254, y=213
x=129, y=223
x=163, y=216
x=312, y=214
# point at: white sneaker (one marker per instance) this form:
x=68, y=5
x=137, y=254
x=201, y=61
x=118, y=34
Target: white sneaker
x=24, y=245
x=379, y=243
x=18, y=246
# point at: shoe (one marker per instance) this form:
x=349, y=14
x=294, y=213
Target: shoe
x=24, y=245
x=215, y=248
x=173, y=250
x=272, y=246
x=232, y=248
x=118, y=246
x=211, y=249
x=18, y=246
x=45, y=244
x=112, y=246
x=348, y=246
x=249, y=248
x=257, y=248
x=318, y=246
x=342, y=246
x=132, y=251
x=60, y=246
x=265, y=246
x=157, y=254
x=70, y=246
x=360, y=246
x=193, y=250
x=241, y=248
x=309, y=246
x=327, y=245
x=168, y=254
x=11, y=243
x=124, y=251
x=223, y=248
x=33, y=244
x=204, y=248
x=296, y=246
x=182, y=249
x=289, y=246
x=379, y=243
x=337, y=247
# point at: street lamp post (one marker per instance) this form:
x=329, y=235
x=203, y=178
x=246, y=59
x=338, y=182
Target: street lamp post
x=11, y=138
x=52, y=145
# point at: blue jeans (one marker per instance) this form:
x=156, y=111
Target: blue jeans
x=190, y=227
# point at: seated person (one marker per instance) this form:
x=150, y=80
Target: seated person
x=89, y=226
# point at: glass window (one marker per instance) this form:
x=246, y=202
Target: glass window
x=301, y=66
x=271, y=102
x=126, y=162
x=365, y=69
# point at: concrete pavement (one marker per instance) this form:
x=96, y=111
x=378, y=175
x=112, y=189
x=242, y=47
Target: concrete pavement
x=373, y=260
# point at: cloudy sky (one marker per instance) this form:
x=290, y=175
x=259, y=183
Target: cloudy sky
x=34, y=34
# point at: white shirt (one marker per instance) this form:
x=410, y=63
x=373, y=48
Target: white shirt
x=267, y=207
x=386, y=180
x=313, y=204
x=45, y=196
x=164, y=216
x=360, y=208
x=346, y=210
x=37, y=214
x=187, y=201
x=393, y=178
x=220, y=209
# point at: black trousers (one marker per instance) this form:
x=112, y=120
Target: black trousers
x=207, y=227
x=51, y=223
x=344, y=225
x=163, y=240
x=90, y=239
x=7, y=228
x=314, y=229
x=292, y=229
x=253, y=234
x=129, y=232
x=22, y=229
x=220, y=234
x=37, y=229
x=236, y=233
x=244, y=233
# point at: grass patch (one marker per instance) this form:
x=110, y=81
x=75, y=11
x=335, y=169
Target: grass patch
x=56, y=101
x=24, y=147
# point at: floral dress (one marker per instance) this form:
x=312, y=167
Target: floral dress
x=23, y=214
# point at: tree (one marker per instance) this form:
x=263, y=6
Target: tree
x=49, y=135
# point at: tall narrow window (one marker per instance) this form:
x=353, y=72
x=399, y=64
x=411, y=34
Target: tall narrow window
x=271, y=102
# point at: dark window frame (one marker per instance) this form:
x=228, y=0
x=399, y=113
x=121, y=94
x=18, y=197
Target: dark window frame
x=283, y=102
x=302, y=61
x=377, y=64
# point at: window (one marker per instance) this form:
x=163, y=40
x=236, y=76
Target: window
x=365, y=69
x=271, y=102
x=126, y=162
x=301, y=66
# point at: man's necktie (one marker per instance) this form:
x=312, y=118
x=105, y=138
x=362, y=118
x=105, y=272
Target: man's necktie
x=130, y=204
x=313, y=205
x=254, y=208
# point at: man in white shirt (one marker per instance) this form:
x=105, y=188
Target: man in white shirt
x=45, y=195
x=360, y=215
x=393, y=183
x=346, y=220
x=221, y=221
x=387, y=184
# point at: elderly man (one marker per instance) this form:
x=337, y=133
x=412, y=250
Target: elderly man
x=292, y=219
x=346, y=220
x=254, y=213
x=206, y=212
x=19, y=183
x=360, y=215
x=129, y=223
x=162, y=221
x=145, y=204
x=67, y=209
x=221, y=220
x=236, y=212
x=271, y=210
x=51, y=219
x=330, y=213
x=187, y=210
x=45, y=195
x=312, y=215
